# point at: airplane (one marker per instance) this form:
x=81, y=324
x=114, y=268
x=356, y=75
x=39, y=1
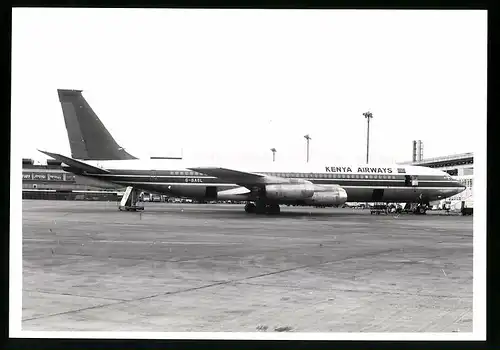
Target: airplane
x=96, y=156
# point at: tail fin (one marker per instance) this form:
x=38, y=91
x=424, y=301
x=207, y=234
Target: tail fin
x=88, y=137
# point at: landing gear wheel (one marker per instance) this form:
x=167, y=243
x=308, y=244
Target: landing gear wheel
x=250, y=208
x=273, y=209
x=421, y=210
x=260, y=208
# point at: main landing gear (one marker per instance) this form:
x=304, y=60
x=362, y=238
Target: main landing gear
x=262, y=208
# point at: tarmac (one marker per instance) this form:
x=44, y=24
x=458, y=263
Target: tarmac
x=212, y=268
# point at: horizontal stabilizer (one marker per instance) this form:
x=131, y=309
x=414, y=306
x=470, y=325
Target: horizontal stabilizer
x=76, y=163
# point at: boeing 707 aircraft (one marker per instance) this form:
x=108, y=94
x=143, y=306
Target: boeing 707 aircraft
x=97, y=156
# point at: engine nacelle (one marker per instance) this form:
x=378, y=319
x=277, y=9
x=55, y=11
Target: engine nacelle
x=337, y=196
x=290, y=192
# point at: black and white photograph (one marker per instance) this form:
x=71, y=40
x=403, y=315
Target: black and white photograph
x=248, y=174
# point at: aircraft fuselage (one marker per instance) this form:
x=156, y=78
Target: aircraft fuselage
x=390, y=183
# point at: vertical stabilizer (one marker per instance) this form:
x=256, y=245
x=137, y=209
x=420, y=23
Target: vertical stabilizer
x=88, y=137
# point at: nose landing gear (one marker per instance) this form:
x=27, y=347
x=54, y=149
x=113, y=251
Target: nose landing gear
x=421, y=209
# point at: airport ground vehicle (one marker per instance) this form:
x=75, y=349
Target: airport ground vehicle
x=378, y=208
x=467, y=207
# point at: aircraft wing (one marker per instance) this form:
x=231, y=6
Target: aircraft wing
x=76, y=163
x=240, y=177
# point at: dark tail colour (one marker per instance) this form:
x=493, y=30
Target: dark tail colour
x=88, y=137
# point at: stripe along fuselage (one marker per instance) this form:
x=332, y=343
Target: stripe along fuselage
x=363, y=183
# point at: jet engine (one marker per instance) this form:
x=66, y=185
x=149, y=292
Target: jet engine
x=336, y=196
x=290, y=192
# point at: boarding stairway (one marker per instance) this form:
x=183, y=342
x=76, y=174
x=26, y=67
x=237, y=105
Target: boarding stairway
x=129, y=200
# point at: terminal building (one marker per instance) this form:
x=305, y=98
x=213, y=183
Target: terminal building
x=50, y=181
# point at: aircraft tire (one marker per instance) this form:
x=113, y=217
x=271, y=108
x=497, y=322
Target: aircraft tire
x=260, y=208
x=250, y=208
x=273, y=209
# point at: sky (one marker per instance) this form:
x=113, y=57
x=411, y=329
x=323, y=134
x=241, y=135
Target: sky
x=229, y=85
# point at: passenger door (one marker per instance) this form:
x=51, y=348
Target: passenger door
x=411, y=180
x=414, y=181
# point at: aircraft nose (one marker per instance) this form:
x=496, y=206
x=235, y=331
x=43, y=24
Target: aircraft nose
x=460, y=187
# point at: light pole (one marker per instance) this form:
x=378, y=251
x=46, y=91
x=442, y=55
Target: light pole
x=368, y=116
x=274, y=153
x=307, y=137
